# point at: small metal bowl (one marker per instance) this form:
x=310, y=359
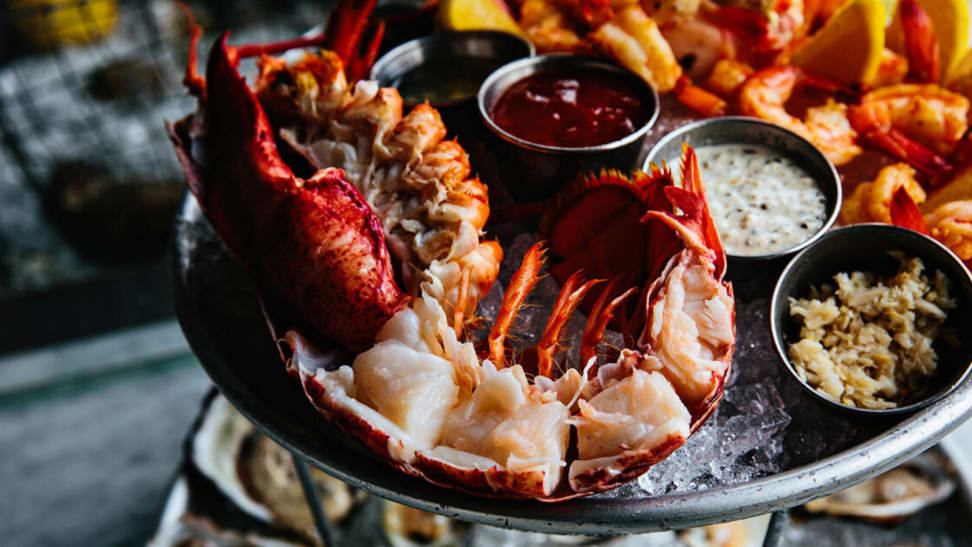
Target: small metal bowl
x=743, y=130
x=492, y=47
x=530, y=170
x=867, y=247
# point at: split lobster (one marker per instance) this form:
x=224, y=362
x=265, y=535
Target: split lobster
x=380, y=250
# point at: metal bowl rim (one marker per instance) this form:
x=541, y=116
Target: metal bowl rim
x=827, y=239
x=559, y=59
x=596, y=516
x=426, y=42
x=833, y=179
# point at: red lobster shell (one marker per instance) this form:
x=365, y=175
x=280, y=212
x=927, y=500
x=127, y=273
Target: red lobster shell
x=420, y=396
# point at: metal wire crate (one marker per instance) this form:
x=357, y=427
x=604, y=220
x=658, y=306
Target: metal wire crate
x=83, y=92
x=104, y=102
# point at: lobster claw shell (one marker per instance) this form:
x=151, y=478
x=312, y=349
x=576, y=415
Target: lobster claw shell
x=315, y=243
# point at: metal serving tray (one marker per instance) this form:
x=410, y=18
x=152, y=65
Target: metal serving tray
x=218, y=308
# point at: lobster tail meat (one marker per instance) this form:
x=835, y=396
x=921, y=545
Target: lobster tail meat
x=691, y=322
x=642, y=412
x=380, y=249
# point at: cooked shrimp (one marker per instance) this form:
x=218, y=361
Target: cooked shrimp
x=635, y=41
x=698, y=44
x=666, y=11
x=548, y=28
x=727, y=77
x=921, y=44
x=892, y=69
x=765, y=95
x=951, y=224
x=913, y=122
x=871, y=201
x=928, y=114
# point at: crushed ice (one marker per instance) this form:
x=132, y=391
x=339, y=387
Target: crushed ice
x=765, y=424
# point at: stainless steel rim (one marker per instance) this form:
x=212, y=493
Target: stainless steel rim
x=553, y=60
x=593, y=516
x=834, y=178
x=425, y=42
x=778, y=343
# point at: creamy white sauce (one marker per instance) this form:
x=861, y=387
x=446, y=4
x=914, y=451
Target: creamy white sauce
x=762, y=202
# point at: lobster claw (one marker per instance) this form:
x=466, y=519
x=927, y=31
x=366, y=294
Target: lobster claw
x=315, y=241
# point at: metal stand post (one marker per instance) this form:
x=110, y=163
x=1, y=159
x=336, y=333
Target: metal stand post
x=313, y=501
x=774, y=530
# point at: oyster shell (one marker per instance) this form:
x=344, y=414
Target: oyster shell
x=406, y=527
x=925, y=480
x=258, y=476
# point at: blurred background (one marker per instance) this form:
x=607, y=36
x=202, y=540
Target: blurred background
x=88, y=184
x=97, y=385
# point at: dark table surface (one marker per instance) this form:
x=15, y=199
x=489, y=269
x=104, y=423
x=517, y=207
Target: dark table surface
x=91, y=435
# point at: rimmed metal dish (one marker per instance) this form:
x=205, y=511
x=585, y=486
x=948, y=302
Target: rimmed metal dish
x=219, y=311
x=868, y=247
x=753, y=131
x=479, y=51
x=490, y=47
x=531, y=170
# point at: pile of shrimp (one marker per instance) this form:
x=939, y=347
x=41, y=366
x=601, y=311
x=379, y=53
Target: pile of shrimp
x=730, y=58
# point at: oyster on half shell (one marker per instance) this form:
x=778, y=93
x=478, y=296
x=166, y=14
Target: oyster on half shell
x=895, y=495
x=258, y=475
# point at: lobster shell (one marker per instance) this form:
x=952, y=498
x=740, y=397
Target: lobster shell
x=315, y=243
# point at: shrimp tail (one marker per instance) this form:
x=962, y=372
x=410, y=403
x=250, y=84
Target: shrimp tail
x=704, y=102
x=892, y=141
x=917, y=155
x=905, y=213
x=921, y=44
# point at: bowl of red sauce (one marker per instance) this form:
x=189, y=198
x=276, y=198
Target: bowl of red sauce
x=555, y=117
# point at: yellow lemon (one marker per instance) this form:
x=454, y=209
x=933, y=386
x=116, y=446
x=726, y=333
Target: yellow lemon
x=848, y=47
x=951, y=21
x=477, y=15
x=960, y=187
x=54, y=23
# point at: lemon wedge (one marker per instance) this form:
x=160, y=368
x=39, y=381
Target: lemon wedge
x=477, y=15
x=55, y=23
x=951, y=21
x=848, y=47
x=960, y=187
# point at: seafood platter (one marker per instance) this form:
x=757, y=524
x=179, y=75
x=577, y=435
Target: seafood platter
x=237, y=486
x=574, y=266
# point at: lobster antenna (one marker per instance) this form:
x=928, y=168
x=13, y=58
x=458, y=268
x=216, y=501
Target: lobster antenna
x=192, y=80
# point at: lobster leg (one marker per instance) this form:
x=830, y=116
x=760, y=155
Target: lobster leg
x=346, y=29
x=192, y=80
x=597, y=322
x=567, y=301
x=522, y=283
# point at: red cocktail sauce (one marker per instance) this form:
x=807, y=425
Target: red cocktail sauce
x=571, y=110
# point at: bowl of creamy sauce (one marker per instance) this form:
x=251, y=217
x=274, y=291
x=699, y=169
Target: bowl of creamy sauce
x=771, y=193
